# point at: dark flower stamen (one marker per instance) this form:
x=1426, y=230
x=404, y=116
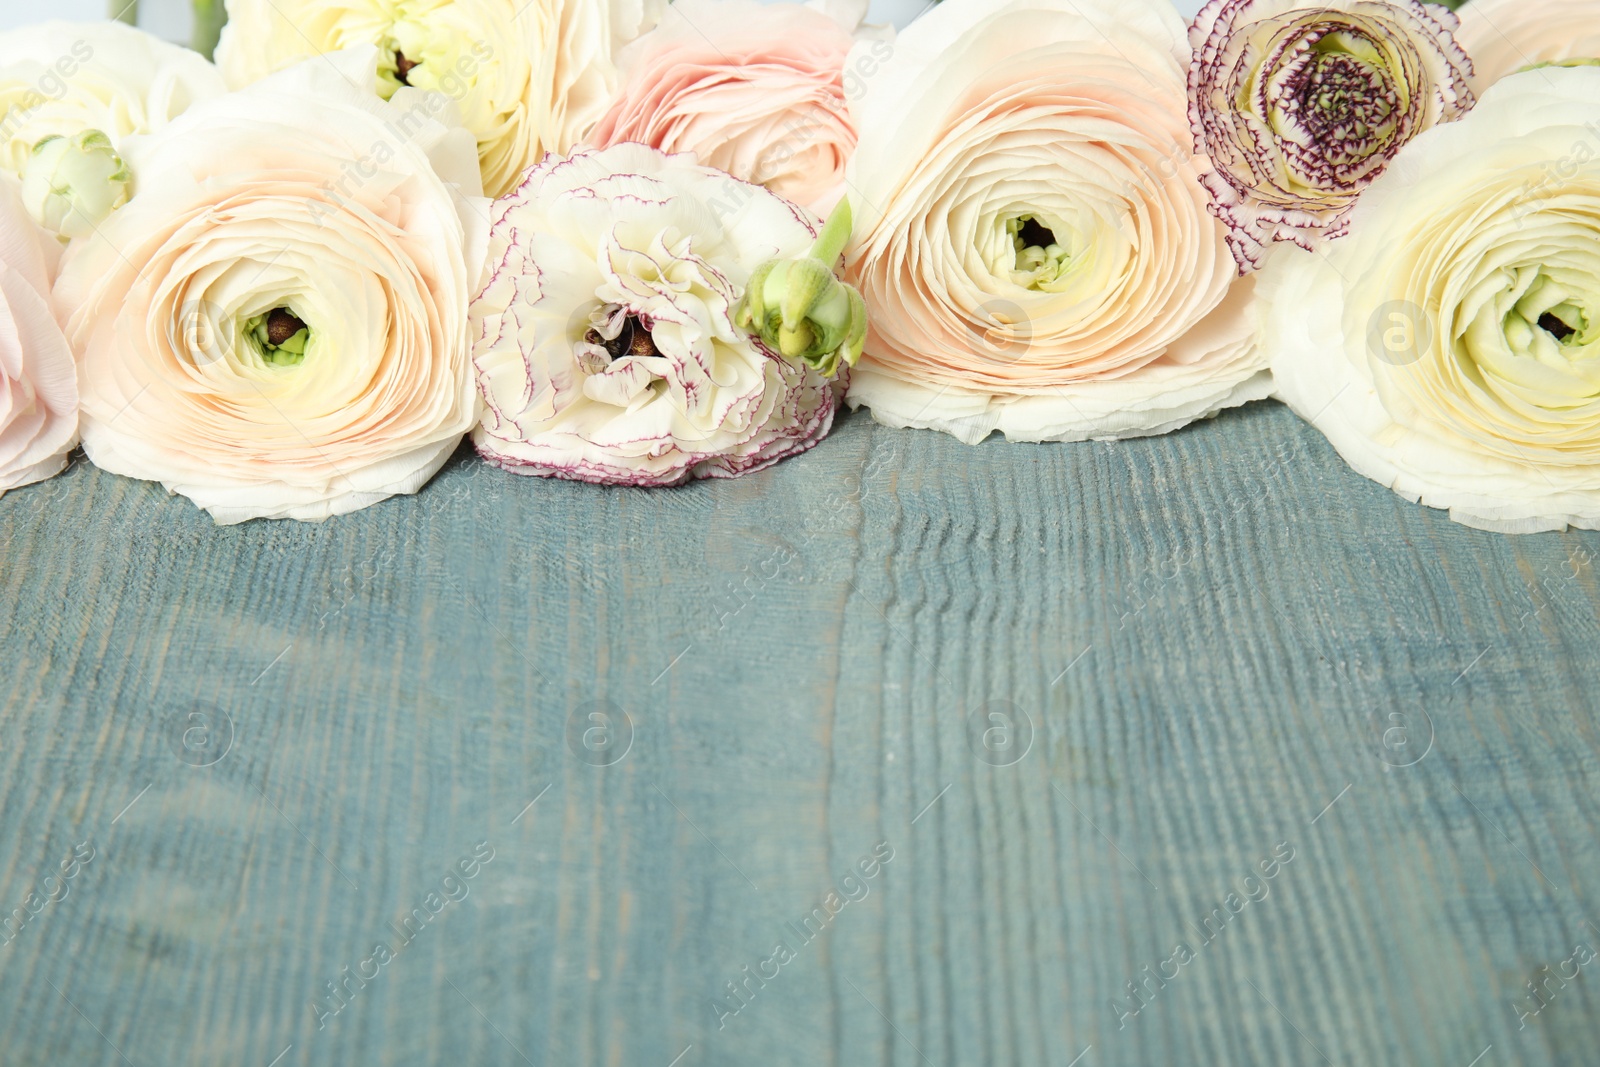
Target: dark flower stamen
x=403, y=68
x=1034, y=234
x=282, y=324
x=1556, y=328
x=633, y=340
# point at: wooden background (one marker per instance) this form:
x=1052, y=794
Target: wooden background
x=1180, y=656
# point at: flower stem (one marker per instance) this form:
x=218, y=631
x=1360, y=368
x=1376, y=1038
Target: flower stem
x=835, y=234
x=124, y=11
x=209, y=18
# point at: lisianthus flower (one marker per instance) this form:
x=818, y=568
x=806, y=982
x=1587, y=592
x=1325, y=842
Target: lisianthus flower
x=754, y=89
x=276, y=324
x=530, y=76
x=38, y=393
x=1300, y=106
x=68, y=83
x=607, y=348
x=1449, y=347
x=1504, y=36
x=1033, y=245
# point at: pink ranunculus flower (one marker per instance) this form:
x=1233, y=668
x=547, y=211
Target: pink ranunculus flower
x=757, y=90
x=1504, y=36
x=38, y=387
x=275, y=325
x=1033, y=242
x=607, y=346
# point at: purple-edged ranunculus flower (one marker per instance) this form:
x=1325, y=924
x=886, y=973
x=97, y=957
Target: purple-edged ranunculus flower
x=607, y=345
x=1300, y=106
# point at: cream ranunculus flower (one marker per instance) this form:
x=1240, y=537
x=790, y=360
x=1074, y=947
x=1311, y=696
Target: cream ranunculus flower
x=276, y=324
x=38, y=391
x=65, y=80
x=607, y=344
x=1034, y=244
x=1504, y=36
x=1449, y=347
x=530, y=76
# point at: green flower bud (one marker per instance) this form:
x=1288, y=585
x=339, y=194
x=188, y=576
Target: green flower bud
x=71, y=184
x=801, y=309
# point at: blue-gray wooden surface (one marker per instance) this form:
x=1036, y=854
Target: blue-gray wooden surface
x=1183, y=654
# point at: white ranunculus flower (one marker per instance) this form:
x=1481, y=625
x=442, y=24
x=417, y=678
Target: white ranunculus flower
x=530, y=76
x=38, y=391
x=1504, y=36
x=1034, y=244
x=1450, y=347
x=276, y=324
x=607, y=344
x=64, y=79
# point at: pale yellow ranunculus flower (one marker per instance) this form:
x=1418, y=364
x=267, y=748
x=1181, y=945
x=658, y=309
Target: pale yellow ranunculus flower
x=529, y=76
x=1449, y=347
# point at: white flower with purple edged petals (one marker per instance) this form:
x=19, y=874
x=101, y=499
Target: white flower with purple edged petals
x=606, y=345
x=1300, y=106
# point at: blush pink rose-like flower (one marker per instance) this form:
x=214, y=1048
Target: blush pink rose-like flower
x=1034, y=244
x=608, y=348
x=275, y=326
x=757, y=90
x=38, y=387
x=1504, y=36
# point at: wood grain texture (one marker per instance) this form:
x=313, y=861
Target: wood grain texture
x=1081, y=692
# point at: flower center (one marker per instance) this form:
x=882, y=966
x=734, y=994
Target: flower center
x=1344, y=102
x=632, y=340
x=403, y=68
x=614, y=333
x=1340, y=98
x=279, y=337
x=1038, y=252
x=1556, y=327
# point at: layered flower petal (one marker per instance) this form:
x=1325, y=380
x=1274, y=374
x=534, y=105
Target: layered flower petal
x=757, y=90
x=1450, y=346
x=1299, y=107
x=38, y=390
x=276, y=324
x=1504, y=36
x=607, y=349
x=1034, y=245
x=530, y=76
